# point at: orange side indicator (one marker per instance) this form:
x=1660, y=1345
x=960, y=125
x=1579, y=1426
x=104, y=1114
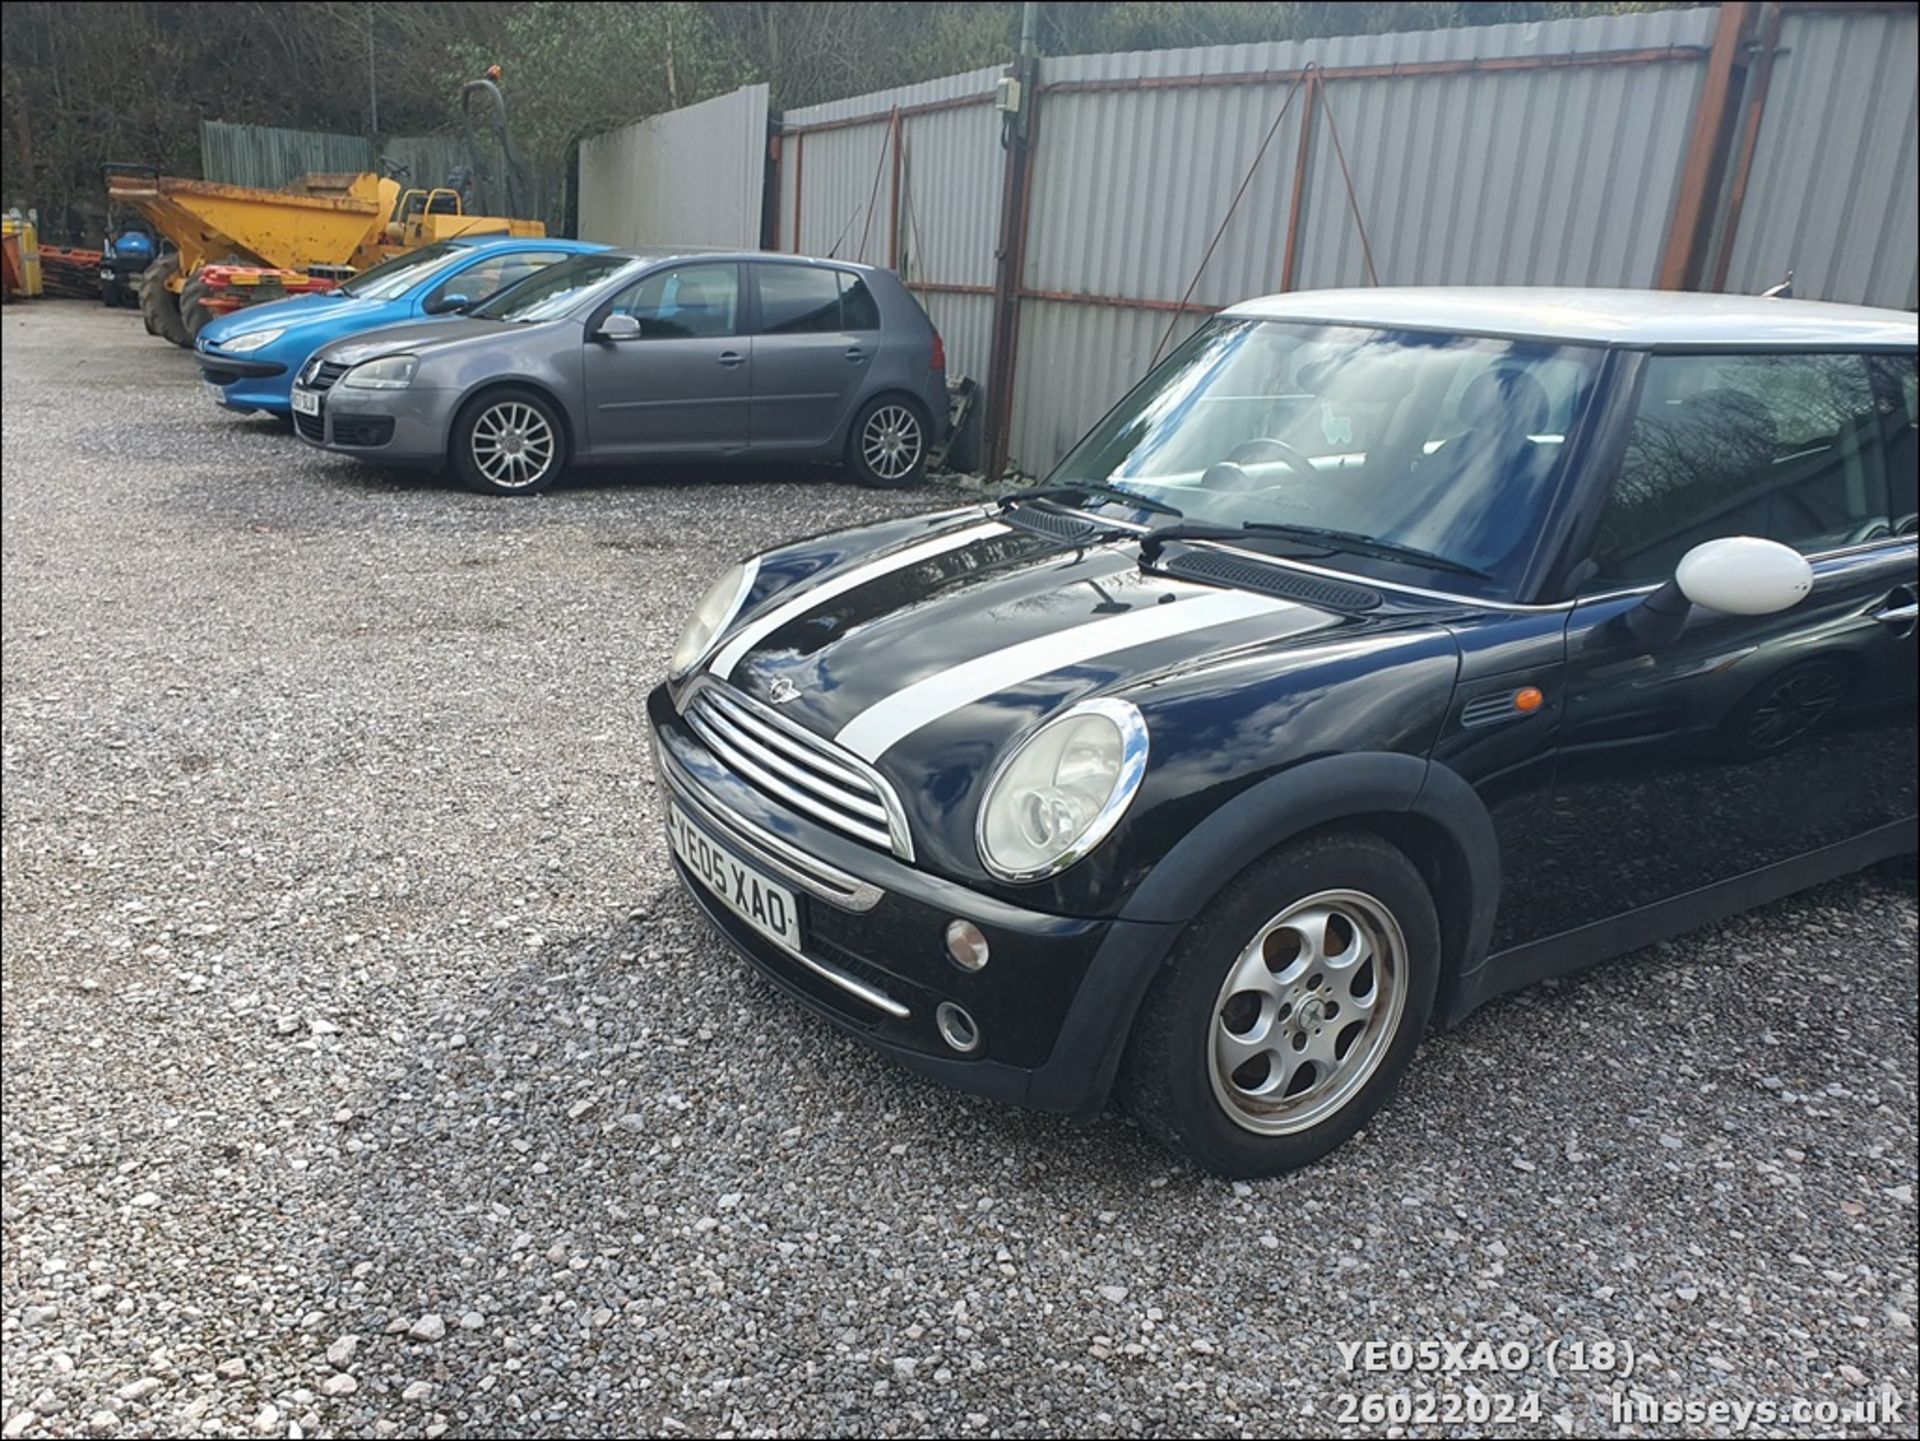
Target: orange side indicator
x=1528, y=700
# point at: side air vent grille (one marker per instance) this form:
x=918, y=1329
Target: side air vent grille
x=1490, y=710
x=1067, y=528
x=1273, y=580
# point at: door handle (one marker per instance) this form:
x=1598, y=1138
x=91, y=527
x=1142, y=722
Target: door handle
x=731, y=358
x=1901, y=610
x=856, y=354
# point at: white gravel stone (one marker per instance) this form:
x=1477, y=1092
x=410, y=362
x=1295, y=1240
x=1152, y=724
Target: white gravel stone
x=429, y=1327
x=340, y=1353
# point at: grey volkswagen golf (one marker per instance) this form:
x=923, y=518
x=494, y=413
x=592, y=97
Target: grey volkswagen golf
x=620, y=357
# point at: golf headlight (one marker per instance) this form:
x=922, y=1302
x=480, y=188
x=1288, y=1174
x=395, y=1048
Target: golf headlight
x=257, y=340
x=1062, y=790
x=711, y=617
x=391, y=372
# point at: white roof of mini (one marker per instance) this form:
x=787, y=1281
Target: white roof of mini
x=1597, y=317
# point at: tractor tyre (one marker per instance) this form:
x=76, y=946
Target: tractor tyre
x=193, y=310
x=159, y=306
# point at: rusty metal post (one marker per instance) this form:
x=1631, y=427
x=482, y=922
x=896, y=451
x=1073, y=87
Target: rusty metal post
x=893, y=223
x=1290, y=257
x=1757, y=86
x=799, y=177
x=1016, y=198
x=1705, y=165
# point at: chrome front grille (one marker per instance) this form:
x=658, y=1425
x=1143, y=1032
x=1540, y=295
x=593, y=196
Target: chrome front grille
x=796, y=767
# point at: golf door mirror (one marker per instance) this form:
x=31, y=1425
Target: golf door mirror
x=618, y=327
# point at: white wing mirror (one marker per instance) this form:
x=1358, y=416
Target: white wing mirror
x=618, y=327
x=1736, y=575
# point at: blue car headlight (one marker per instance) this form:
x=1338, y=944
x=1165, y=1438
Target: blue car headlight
x=390, y=372
x=245, y=344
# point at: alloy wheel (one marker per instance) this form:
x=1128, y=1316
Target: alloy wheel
x=513, y=445
x=1307, y=1011
x=891, y=442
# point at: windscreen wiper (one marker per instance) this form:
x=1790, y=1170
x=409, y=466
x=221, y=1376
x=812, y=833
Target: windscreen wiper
x=1155, y=540
x=1093, y=490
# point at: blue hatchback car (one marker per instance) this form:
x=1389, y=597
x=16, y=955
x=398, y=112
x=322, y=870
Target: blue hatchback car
x=248, y=359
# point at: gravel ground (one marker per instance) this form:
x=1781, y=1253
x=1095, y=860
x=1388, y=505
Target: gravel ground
x=365, y=1073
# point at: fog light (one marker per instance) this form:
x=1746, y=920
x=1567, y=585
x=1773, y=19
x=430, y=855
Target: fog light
x=966, y=947
x=957, y=1028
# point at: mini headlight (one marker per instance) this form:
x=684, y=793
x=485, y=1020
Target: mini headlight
x=715, y=612
x=257, y=340
x=390, y=372
x=1062, y=790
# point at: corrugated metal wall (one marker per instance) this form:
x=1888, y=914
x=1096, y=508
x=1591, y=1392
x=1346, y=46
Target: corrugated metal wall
x=1549, y=154
x=263, y=155
x=694, y=176
x=1835, y=190
x=836, y=181
x=269, y=157
x=1561, y=176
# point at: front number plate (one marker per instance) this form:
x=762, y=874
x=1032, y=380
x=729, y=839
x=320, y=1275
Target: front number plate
x=768, y=908
x=306, y=402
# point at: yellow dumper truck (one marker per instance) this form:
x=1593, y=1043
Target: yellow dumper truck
x=233, y=245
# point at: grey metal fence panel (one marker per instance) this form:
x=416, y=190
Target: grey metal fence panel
x=839, y=183
x=1546, y=176
x=1547, y=153
x=1518, y=177
x=1835, y=190
x=844, y=204
x=269, y=157
x=694, y=176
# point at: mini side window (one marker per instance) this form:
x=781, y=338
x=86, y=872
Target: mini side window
x=1898, y=392
x=1789, y=447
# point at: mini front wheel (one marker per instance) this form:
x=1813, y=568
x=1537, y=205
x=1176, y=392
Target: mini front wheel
x=509, y=442
x=1289, y=1010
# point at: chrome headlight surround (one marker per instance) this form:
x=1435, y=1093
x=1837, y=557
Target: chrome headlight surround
x=711, y=618
x=1127, y=736
x=247, y=344
x=389, y=372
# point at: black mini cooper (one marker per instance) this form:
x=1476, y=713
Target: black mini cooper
x=1382, y=652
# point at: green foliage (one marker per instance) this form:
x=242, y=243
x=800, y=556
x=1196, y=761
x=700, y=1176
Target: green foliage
x=80, y=84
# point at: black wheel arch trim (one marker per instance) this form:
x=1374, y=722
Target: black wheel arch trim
x=1416, y=797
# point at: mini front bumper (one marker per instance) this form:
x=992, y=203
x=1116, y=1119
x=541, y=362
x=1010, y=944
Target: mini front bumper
x=1053, y=1005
